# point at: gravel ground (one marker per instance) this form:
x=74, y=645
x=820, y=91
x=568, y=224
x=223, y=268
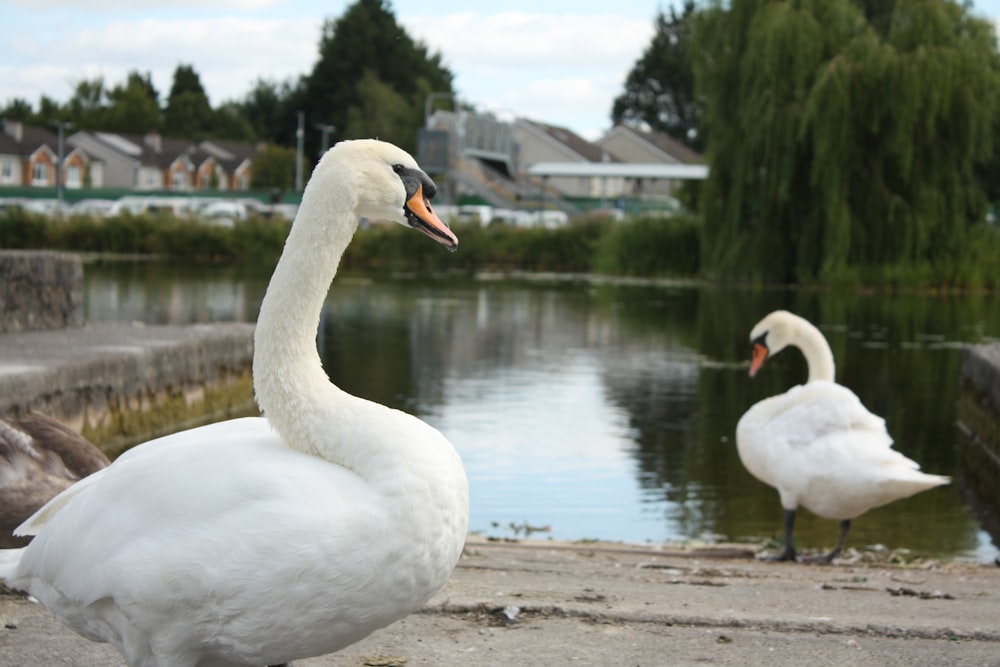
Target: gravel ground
x=549, y=603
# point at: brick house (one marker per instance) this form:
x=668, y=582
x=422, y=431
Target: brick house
x=152, y=162
x=29, y=156
x=232, y=162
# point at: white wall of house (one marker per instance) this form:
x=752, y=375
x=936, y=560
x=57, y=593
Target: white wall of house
x=10, y=170
x=628, y=146
x=148, y=178
x=537, y=146
x=118, y=170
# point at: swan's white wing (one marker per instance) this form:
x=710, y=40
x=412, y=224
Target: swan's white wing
x=821, y=448
x=221, y=507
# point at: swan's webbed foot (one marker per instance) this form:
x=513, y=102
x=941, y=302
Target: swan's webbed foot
x=827, y=559
x=823, y=559
x=789, y=552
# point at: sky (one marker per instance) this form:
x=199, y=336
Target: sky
x=559, y=61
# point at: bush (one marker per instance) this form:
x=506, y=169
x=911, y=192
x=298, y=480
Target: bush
x=646, y=246
x=651, y=246
x=146, y=234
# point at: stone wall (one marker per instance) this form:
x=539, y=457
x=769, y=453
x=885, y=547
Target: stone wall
x=40, y=290
x=118, y=383
x=979, y=422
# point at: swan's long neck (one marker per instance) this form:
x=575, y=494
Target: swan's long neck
x=819, y=356
x=291, y=387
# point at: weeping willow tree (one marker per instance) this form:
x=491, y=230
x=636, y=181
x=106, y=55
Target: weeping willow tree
x=842, y=134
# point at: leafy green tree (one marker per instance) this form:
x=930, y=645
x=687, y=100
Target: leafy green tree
x=366, y=42
x=50, y=110
x=18, y=109
x=133, y=107
x=270, y=109
x=274, y=167
x=842, y=134
x=87, y=108
x=229, y=123
x=378, y=111
x=659, y=90
x=188, y=113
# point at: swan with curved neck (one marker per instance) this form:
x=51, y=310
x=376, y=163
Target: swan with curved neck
x=262, y=540
x=816, y=443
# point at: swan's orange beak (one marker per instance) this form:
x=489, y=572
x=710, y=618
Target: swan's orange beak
x=421, y=216
x=757, y=356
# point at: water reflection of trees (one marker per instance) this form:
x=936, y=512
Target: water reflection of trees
x=168, y=293
x=894, y=352
x=672, y=360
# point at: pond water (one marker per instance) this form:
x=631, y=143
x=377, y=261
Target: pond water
x=608, y=411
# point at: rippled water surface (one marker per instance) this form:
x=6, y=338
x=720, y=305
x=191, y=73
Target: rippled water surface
x=608, y=412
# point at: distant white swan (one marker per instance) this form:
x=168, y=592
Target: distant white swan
x=259, y=541
x=816, y=443
x=39, y=457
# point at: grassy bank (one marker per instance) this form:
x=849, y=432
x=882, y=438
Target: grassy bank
x=146, y=234
x=641, y=246
x=646, y=247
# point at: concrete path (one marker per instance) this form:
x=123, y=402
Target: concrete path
x=546, y=603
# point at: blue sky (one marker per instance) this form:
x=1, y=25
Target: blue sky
x=558, y=61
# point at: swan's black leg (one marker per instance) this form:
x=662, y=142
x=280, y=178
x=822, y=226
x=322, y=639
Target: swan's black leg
x=789, y=552
x=845, y=526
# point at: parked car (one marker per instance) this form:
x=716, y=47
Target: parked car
x=99, y=208
x=223, y=213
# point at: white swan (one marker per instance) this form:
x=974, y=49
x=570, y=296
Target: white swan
x=816, y=443
x=258, y=541
x=39, y=457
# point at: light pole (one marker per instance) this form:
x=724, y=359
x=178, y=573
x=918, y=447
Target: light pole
x=429, y=102
x=61, y=126
x=299, y=138
x=325, y=132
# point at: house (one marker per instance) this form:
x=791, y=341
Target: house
x=543, y=143
x=232, y=162
x=635, y=146
x=29, y=157
x=153, y=162
x=119, y=158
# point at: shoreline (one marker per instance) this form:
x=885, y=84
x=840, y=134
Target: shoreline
x=546, y=602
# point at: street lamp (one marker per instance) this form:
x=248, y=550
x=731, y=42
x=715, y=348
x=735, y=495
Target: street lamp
x=325, y=132
x=61, y=126
x=430, y=100
x=299, y=137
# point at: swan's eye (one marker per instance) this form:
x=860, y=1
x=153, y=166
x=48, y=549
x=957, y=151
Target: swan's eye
x=398, y=168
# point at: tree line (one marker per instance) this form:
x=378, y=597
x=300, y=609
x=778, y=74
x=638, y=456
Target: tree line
x=370, y=78
x=846, y=138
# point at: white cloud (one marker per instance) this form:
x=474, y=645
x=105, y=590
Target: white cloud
x=134, y=6
x=564, y=70
x=561, y=69
x=513, y=39
x=228, y=53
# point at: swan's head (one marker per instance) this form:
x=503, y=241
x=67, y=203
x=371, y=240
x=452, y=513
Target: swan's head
x=391, y=186
x=770, y=336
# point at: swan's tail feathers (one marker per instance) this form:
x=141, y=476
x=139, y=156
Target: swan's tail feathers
x=9, y=560
x=926, y=481
x=938, y=480
x=915, y=482
x=34, y=523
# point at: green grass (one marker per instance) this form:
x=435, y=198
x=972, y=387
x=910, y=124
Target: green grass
x=645, y=246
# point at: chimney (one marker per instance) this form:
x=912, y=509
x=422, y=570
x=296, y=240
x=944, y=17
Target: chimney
x=153, y=142
x=13, y=129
